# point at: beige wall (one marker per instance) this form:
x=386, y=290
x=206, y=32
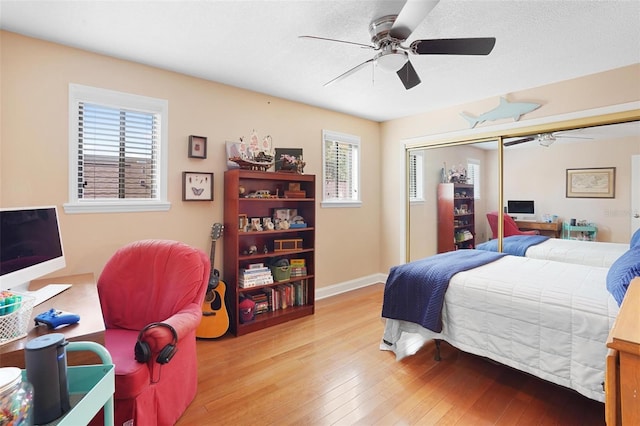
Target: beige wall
x=34, y=78
x=536, y=173
x=614, y=87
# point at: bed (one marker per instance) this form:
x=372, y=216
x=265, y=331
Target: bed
x=550, y=319
x=592, y=253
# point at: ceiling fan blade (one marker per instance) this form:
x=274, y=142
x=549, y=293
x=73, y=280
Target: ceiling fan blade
x=571, y=137
x=412, y=14
x=367, y=46
x=408, y=76
x=454, y=46
x=563, y=136
x=348, y=73
x=519, y=141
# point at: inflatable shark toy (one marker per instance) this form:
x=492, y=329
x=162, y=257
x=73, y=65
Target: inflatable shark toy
x=506, y=109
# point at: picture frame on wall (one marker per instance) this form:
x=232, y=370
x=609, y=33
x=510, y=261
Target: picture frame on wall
x=598, y=182
x=197, y=147
x=197, y=186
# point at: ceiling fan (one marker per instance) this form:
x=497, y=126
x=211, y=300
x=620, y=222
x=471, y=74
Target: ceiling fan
x=390, y=31
x=543, y=139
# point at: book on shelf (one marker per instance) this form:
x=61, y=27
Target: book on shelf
x=261, y=301
x=253, y=271
x=298, y=271
x=297, y=263
x=281, y=296
x=255, y=277
x=268, y=292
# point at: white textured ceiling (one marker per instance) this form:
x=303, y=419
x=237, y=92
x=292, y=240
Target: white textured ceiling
x=255, y=45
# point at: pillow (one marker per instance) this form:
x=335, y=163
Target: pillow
x=635, y=239
x=620, y=274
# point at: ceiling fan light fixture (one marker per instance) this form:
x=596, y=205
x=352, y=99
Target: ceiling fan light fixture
x=546, y=139
x=393, y=61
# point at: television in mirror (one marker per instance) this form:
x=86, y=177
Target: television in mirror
x=30, y=246
x=521, y=209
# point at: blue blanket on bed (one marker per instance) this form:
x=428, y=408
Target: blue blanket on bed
x=515, y=245
x=415, y=291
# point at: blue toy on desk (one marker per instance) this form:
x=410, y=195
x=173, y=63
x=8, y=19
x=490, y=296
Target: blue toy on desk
x=55, y=318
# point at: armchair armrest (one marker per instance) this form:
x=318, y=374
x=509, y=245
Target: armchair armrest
x=183, y=322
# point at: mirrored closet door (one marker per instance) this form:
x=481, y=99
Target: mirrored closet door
x=537, y=168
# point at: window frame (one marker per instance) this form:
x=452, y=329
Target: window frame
x=354, y=141
x=120, y=100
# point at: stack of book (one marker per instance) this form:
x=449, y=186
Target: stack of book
x=262, y=303
x=298, y=268
x=254, y=276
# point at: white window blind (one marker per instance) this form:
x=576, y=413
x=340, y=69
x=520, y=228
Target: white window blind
x=473, y=176
x=341, y=166
x=416, y=177
x=117, y=151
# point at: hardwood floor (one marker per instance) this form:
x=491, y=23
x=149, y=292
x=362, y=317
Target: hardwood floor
x=327, y=369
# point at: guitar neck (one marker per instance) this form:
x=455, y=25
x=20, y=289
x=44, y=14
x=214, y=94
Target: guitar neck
x=213, y=255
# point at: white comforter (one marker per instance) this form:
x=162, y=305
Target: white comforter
x=549, y=319
x=592, y=253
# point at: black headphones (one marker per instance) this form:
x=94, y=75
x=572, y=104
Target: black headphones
x=143, y=351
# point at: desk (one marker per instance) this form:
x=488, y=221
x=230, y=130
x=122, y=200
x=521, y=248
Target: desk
x=551, y=229
x=81, y=298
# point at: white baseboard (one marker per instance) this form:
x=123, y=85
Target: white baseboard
x=336, y=289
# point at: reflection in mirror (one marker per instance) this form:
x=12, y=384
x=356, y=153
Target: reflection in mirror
x=535, y=169
x=444, y=215
x=581, y=175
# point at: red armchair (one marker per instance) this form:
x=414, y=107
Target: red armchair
x=146, y=282
x=510, y=227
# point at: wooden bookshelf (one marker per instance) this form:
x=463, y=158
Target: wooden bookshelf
x=456, y=217
x=239, y=209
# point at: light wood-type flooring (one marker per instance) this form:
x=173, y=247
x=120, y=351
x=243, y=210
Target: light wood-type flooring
x=327, y=369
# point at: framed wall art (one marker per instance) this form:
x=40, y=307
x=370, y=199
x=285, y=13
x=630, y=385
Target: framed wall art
x=197, y=147
x=597, y=182
x=284, y=156
x=197, y=186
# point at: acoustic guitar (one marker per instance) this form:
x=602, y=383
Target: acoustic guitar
x=215, y=318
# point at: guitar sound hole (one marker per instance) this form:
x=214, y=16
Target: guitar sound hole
x=216, y=303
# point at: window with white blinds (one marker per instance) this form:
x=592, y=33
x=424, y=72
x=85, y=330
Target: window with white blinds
x=473, y=176
x=416, y=177
x=117, y=153
x=341, y=167
x=116, y=141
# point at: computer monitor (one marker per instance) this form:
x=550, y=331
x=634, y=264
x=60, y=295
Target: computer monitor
x=521, y=209
x=30, y=246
